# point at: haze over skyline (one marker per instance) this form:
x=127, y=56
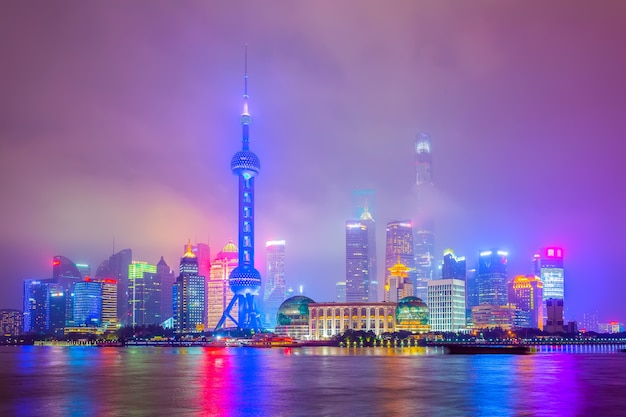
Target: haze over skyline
x=118, y=120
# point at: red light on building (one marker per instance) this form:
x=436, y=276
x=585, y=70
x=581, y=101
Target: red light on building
x=554, y=252
x=87, y=279
x=109, y=281
x=56, y=262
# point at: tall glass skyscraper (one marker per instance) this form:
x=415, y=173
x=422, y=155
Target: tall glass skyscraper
x=116, y=267
x=189, y=296
x=357, y=261
x=491, y=277
x=424, y=238
x=275, y=289
x=142, y=288
x=399, y=248
x=87, y=309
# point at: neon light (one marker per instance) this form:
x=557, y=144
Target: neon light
x=503, y=253
x=56, y=262
x=486, y=253
x=275, y=243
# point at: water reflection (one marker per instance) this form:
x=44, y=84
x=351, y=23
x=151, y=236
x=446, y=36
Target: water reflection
x=147, y=381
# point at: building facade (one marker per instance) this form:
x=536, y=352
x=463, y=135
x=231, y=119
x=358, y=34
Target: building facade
x=357, y=261
x=189, y=296
x=11, y=323
x=218, y=290
x=548, y=265
x=275, y=291
x=144, y=293
x=399, y=248
x=447, y=305
x=554, y=315
x=491, y=277
x=330, y=319
x=526, y=295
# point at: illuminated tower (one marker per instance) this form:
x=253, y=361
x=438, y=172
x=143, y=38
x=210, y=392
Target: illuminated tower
x=491, y=277
x=549, y=267
x=245, y=280
x=275, y=289
x=357, y=261
x=399, y=245
x=399, y=284
x=188, y=296
x=526, y=294
x=217, y=284
x=424, y=238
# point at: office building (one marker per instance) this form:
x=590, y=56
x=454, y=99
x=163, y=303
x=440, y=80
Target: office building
x=340, y=288
x=424, y=239
x=453, y=267
x=399, y=248
x=109, y=322
x=165, y=279
x=36, y=305
x=554, y=315
x=116, y=267
x=548, y=266
x=358, y=261
x=11, y=323
x=275, y=289
x=526, y=295
x=491, y=277
x=142, y=291
x=189, y=296
x=87, y=306
x=447, y=305
x=489, y=316
x=218, y=287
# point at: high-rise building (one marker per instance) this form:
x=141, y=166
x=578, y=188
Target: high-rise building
x=36, y=305
x=245, y=279
x=59, y=302
x=116, y=267
x=357, y=261
x=399, y=248
x=11, y=323
x=109, y=321
x=399, y=284
x=554, y=315
x=424, y=239
x=548, y=265
x=218, y=290
x=189, y=296
x=453, y=267
x=65, y=272
x=87, y=308
x=341, y=292
x=84, y=269
x=526, y=295
x=491, y=277
x=446, y=302
x=275, y=289
x=363, y=200
x=165, y=278
x=142, y=291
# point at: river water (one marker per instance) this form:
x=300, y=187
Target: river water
x=315, y=381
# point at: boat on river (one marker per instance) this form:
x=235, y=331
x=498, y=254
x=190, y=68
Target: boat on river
x=470, y=349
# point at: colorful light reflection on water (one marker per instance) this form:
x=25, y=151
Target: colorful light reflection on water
x=148, y=381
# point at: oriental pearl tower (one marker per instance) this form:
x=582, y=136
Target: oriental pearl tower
x=245, y=280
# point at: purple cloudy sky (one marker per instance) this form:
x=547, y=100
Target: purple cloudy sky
x=118, y=120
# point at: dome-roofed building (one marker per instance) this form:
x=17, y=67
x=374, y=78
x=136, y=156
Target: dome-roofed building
x=412, y=315
x=293, y=317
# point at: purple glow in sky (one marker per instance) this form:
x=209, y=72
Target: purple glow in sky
x=118, y=121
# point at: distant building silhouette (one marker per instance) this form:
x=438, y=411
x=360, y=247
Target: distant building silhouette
x=358, y=260
x=218, y=286
x=275, y=291
x=492, y=277
x=399, y=248
x=526, y=295
x=188, y=296
x=116, y=267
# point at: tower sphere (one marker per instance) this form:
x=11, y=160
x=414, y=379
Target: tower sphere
x=245, y=279
x=246, y=164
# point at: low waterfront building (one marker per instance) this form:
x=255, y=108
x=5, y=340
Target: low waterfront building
x=293, y=317
x=412, y=315
x=11, y=322
x=489, y=316
x=333, y=318
x=446, y=304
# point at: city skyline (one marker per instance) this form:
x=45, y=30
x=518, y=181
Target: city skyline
x=103, y=138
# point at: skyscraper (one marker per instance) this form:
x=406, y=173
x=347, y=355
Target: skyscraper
x=399, y=248
x=142, y=290
x=357, y=261
x=491, y=277
x=399, y=284
x=189, y=296
x=245, y=279
x=340, y=287
x=65, y=272
x=166, y=279
x=548, y=265
x=218, y=290
x=453, y=267
x=116, y=267
x=109, y=320
x=275, y=288
x=87, y=309
x=36, y=305
x=526, y=295
x=424, y=238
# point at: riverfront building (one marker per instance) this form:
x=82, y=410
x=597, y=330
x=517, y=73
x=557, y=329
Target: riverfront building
x=275, y=289
x=330, y=319
x=447, y=305
x=526, y=295
x=11, y=323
